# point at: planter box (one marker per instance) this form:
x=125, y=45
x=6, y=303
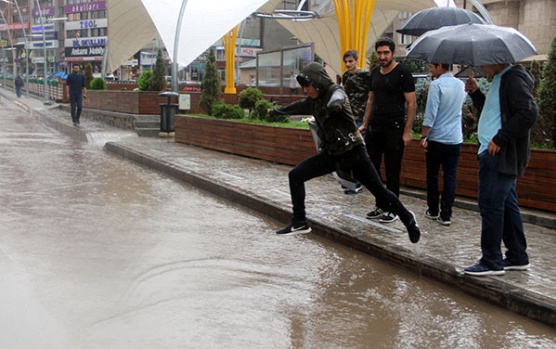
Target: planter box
x=537, y=189
x=277, y=144
x=148, y=102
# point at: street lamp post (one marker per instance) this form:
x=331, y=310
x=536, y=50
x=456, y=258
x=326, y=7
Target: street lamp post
x=176, y=46
x=9, y=36
x=45, y=83
x=25, y=47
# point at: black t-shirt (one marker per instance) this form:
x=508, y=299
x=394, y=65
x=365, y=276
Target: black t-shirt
x=389, y=99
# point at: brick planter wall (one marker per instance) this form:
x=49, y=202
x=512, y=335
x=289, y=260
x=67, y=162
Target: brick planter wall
x=537, y=189
x=148, y=102
x=282, y=145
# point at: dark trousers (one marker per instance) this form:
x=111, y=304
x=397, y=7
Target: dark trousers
x=356, y=161
x=501, y=217
x=447, y=156
x=386, y=139
x=76, y=100
x=18, y=91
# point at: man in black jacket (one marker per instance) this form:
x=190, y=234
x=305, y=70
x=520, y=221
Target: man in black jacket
x=343, y=149
x=507, y=114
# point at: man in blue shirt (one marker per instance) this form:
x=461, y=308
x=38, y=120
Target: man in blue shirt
x=77, y=90
x=442, y=137
x=507, y=114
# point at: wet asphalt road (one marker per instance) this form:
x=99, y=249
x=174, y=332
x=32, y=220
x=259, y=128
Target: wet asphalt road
x=96, y=252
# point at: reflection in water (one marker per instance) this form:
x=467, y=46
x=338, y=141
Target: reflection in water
x=101, y=253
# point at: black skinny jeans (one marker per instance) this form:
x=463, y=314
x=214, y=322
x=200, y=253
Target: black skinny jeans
x=356, y=161
x=386, y=139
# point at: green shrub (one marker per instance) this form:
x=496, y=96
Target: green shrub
x=227, y=111
x=260, y=109
x=145, y=80
x=277, y=118
x=98, y=84
x=249, y=97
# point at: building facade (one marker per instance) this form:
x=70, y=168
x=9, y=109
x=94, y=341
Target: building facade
x=41, y=37
x=536, y=19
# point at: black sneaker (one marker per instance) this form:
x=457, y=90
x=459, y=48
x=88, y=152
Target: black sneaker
x=375, y=214
x=482, y=270
x=388, y=217
x=514, y=266
x=357, y=190
x=294, y=229
x=443, y=221
x=430, y=215
x=413, y=229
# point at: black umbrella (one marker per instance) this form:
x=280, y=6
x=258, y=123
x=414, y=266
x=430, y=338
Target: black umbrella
x=472, y=44
x=437, y=17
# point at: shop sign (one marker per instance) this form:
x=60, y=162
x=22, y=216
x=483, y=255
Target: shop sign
x=85, y=7
x=84, y=51
x=87, y=24
x=91, y=41
x=46, y=12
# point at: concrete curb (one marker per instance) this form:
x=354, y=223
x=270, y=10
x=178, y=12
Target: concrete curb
x=494, y=290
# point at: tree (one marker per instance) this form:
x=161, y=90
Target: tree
x=88, y=75
x=373, y=60
x=211, y=86
x=145, y=81
x=546, y=120
x=536, y=70
x=158, y=82
x=249, y=97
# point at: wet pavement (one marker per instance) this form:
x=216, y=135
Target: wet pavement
x=441, y=254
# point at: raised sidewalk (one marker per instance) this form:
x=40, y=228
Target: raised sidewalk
x=261, y=186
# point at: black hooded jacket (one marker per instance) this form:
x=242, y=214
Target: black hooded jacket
x=518, y=114
x=331, y=110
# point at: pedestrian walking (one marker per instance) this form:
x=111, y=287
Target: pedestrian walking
x=19, y=85
x=441, y=137
x=387, y=123
x=342, y=148
x=507, y=112
x=293, y=83
x=77, y=90
x=357, y=84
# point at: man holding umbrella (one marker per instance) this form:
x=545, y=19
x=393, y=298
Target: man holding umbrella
x=507, y=114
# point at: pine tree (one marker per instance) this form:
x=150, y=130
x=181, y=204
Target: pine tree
x=88, y=73
x=211, y=87
x=158, y=82
x=547, y=98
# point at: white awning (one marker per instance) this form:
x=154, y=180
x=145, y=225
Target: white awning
x=134, y=24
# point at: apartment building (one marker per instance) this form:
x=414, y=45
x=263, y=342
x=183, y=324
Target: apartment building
x=536, y=19
x=46, y=36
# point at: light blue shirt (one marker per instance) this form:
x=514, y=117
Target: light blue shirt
x=490, y=121
x=443, y=111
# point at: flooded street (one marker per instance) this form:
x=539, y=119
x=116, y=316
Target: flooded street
x=97, y=252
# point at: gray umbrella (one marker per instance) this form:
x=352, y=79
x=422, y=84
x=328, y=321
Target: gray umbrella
x=435, y=18
x=472, y=44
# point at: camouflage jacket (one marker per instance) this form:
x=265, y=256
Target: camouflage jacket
x=357, y=87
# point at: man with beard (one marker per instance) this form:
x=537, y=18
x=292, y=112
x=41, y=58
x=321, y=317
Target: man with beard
x=387, y=122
